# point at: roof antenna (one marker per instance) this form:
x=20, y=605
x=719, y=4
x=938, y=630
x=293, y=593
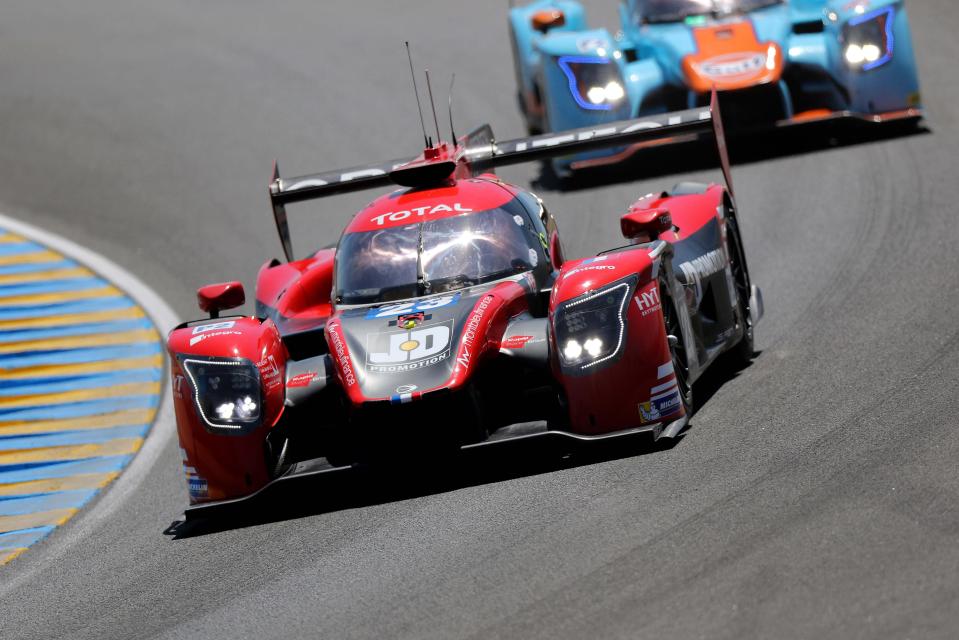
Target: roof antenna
x=452, y=130
x=433, y=104
x=426, y=139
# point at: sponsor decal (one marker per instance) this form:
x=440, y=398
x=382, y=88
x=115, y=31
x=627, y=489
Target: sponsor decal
x=198, y=487
x=703, y=267
x=658, y=408
x=339, y=349
x=401, y=398
x=596, y=267
x=302, y=379
x=216, y=334
x=407, y=350
x=214, y=327
x=732, y=65
x=533, y=257
x=399, y=216
x=648, y=301
x=411, y=307
x=515, y=342
x=269, y=372
x=588, y=44
x=469, y=335
x=406, y=388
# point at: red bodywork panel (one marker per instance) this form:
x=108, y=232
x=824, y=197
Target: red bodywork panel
x=609, y=399
x=484, y=329
x=300, y=289
x=229, y=465
x=689, y=212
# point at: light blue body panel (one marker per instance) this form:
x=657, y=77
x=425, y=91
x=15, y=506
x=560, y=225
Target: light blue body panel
x=647, y=59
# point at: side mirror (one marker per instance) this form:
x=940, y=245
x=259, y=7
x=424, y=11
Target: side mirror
x=548, y=19
x=645, y=225
x=214, y=298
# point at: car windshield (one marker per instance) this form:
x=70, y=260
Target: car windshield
x=432, y=256
x=645, y=11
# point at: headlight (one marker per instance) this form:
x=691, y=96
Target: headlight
x=226, y=393
x=591, y=329
x=594, y=82
x=868, y=39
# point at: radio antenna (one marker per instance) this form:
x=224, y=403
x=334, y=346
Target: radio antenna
x=416, y=93
x=452, y=130
x=433, y=105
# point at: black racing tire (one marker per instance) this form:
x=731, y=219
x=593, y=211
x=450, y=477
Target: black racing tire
x=677, y=350
x=742, y=353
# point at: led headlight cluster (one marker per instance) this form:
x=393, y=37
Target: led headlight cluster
x=868, y=39
x=594, y=82
x=227, y=393
x=591, y=329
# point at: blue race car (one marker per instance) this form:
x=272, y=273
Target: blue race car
x=774, y=62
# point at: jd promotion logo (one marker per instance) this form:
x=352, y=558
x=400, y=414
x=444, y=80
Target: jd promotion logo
x=407, y=350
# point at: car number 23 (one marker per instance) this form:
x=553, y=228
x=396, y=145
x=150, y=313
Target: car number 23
x=412, y=306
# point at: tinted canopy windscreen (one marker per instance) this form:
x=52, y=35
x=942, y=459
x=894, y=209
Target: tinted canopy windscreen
x=432, y=256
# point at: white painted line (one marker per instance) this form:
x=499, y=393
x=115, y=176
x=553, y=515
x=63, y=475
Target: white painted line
x=164, y=425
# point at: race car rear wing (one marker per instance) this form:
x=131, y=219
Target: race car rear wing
x=483, y=153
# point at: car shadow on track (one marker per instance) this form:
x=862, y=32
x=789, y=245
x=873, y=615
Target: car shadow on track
x=357, y=488
x=747, y=149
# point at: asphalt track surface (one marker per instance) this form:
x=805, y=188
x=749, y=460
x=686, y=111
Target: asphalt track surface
x=815, y=495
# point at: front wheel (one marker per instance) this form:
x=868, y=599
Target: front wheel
x=677, y=351
x=741, y=354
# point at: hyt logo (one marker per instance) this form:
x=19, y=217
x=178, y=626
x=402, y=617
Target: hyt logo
x=406, y=350
x=648, y=301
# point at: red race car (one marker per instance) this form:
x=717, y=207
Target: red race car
x=447, y=318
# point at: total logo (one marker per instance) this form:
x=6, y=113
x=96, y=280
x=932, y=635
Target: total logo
x=406, y=350
x=399, y=216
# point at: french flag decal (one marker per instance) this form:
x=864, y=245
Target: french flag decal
x=402, y=398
